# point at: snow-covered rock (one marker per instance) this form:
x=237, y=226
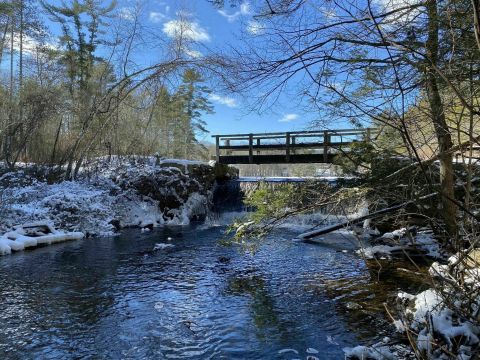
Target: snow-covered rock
x=379, y=351
x=33, y=235
x=445, y=318
x=401, y=241
x=109, y=194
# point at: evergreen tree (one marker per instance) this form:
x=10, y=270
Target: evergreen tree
x=81, y=23
x=192, y=96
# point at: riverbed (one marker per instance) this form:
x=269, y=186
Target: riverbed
x=128, y=297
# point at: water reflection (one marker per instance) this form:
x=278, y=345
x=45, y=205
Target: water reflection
x=120, y=298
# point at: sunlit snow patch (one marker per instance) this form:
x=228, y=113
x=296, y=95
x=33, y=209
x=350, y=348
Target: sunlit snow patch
x=33, y=235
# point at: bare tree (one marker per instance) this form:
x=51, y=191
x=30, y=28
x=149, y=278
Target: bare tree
x=367, y=62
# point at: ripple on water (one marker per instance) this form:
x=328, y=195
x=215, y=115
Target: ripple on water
x=120, y=298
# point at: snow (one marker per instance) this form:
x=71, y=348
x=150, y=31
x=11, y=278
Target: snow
x=378, y=251
x=379, y=351
x=184, y=163
x=443, y=316
x=431, y=318
x=196, y=205
x=426, y=242
x=441, y=321
x=399, y=241
x=395, y=234
x=21, y=238
x=107, y=196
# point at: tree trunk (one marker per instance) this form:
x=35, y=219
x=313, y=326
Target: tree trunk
x=476, y=20
x=2, y=42
x=7, y=146
x=442, y=132
x=20, y=79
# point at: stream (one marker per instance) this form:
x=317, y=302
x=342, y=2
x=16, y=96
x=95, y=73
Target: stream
x=126, y=297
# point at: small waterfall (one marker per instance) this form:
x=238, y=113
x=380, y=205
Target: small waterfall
x=228, y=196
x=228, y=203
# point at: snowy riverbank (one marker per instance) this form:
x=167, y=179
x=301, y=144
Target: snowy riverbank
x=441, y=322
x=109, y=195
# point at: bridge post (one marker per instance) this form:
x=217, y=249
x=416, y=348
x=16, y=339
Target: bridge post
x=250, y=148
x=287, y=143
x=227, y=143
x=217, y=148
x=258, y=146
x=293, y=144
x=326, y=141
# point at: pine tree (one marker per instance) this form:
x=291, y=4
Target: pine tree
x=81, y=23
x=192, y=96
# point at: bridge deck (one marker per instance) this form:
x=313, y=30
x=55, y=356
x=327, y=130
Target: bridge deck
x=289, y=147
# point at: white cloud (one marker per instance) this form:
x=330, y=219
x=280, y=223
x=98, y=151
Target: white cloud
x=184, y=13
x=156, y=16
x=224, y=100
x=30, y=45
x=400, y=18
x=244, y=10
x=193, y=53
x=288, y=117
x=255, y=27
x=127, y=13
x=186, y=29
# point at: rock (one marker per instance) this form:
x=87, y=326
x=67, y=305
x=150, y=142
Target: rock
x=224, y=259
x=171, y=187
x=353, y=306
x=116, y=224
x=225, y=172
x=111, y=194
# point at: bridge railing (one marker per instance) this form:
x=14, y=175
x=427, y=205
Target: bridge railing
x=290, y=142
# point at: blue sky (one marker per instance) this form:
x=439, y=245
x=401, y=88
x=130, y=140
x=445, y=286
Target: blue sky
x=215, y=29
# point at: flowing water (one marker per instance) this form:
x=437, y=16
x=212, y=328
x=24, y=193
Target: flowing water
x=119, y=298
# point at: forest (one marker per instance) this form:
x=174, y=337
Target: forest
x=116, y=100
x=83, y=96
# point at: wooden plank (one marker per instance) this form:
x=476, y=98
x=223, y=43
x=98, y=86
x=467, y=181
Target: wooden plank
x=287, y=151
x=250, y=149
x=358, y=135
x=320, y=133
x=227, y=146
x=245, y=138
x=283, y=146
x=276, y=159
x=326, y=141
x=217, y=148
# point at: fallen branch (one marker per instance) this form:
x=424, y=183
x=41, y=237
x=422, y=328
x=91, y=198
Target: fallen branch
x=314, y=233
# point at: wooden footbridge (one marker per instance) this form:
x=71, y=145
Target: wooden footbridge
x=289, y=147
